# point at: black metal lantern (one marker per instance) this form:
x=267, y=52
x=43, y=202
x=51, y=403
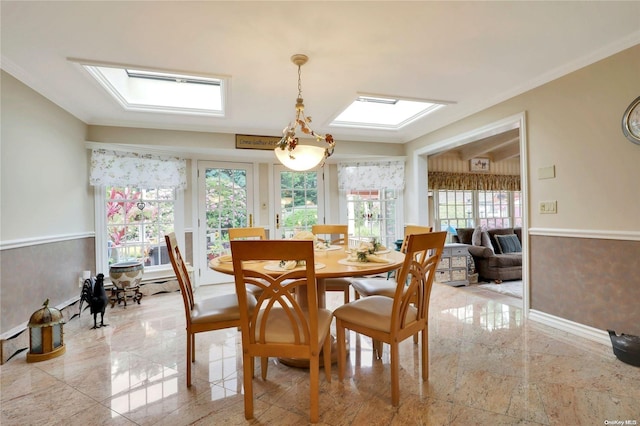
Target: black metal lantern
x=45, y=334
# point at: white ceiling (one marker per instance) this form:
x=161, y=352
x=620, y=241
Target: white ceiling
x=475, y=54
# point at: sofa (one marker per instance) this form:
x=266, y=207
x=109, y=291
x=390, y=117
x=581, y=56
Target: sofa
x=497, y=253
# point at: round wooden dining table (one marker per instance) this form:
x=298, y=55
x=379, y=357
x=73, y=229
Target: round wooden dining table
x=330, y=263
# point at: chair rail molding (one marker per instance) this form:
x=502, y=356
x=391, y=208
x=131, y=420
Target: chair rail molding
x=586, y=233
x=27, y=242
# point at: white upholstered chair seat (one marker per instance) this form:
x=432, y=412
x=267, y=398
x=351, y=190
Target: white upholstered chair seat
x=220, y=308
x=373, y=312
x=279, y=328
x=374, y=286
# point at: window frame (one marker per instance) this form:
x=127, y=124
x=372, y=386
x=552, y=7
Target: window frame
x=398, y=214
x=101, y=230
x=475, y=219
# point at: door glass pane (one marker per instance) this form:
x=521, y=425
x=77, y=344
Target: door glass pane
x=225, y=207
x=372, y=215
x=298, y=202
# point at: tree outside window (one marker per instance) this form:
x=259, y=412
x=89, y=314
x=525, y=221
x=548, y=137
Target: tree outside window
x=137, y=220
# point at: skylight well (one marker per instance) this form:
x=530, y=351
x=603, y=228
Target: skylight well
x=143, y=90
x=377, y=112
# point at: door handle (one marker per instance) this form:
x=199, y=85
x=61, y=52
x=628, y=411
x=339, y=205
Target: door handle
x=277, y=221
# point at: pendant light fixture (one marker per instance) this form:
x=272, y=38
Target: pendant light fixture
x=289, y=151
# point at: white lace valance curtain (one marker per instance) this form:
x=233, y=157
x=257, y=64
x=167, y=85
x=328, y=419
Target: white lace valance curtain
x=117, y=168
x=371, y=175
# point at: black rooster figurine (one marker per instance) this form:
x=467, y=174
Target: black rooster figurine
x=94, y=294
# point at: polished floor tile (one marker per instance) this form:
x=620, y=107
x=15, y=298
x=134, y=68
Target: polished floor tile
x=488, y=365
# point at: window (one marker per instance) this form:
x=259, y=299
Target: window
x=138, y=198
x=153, y=91
x=372, y=214
x=493, y=209
x=468, y=209
x=384, y=112
x=454, y=209
x=373, y=196
x=136, y=221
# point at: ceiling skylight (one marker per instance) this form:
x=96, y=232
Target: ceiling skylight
x=142, y=90
x=378, y=112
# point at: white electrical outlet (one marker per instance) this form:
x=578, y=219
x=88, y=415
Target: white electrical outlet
x=80, y=282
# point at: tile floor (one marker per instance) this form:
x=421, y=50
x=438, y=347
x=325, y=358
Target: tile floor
x=487, y=366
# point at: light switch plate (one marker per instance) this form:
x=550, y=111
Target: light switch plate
x=548, y=207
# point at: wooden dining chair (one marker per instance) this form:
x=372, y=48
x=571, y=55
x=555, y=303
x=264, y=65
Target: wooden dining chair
x=393, y=319
x=377, y=286
x=281, y=325
x=252, y=233
x=334, y=235
x=213, y=313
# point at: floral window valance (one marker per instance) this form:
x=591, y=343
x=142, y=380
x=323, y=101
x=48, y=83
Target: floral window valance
x=371, y=175
x=117, y=168
x=473, y=181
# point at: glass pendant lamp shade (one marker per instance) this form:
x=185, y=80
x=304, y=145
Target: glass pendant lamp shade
x=301, y=158
x=289, y=151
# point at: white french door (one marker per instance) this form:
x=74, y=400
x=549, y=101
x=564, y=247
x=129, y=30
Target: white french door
x=299, y=201
x=225, y=200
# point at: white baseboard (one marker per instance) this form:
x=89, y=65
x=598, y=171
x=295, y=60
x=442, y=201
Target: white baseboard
x=577, y=329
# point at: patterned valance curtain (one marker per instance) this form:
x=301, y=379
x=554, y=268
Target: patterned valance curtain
x=371, y=175
x=473, y=181
x=115, y=168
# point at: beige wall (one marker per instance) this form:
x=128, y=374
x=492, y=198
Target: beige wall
x=574, y=123
x=45, y=189
x=47, y=212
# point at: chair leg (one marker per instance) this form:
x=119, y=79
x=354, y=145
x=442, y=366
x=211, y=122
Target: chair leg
x=326, y=353
x=425, y=353
x=395, y=374
x=193, y=347
x=346, y=294
x=264, y=364
x=342, y=348
x=188, y=359
x=247, y=363
x=377, y=348
x=314, y=379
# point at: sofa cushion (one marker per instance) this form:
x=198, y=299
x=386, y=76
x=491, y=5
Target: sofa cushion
x=498, y=231
x=476, y=237
x=518, y=232
x=486, y=241
x=464, y=235
x=509, y=243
